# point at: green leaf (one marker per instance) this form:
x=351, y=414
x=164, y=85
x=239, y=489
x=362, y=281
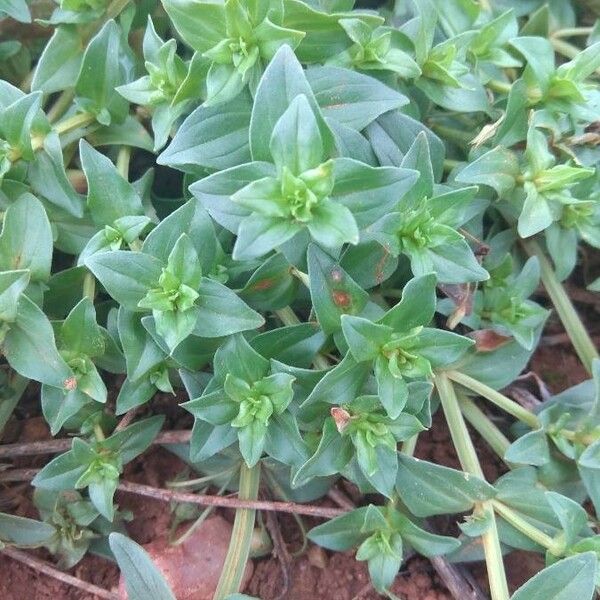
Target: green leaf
x=30, y=348
x=109, y=196
x=572, y=577
x=61, y=473
x=497, y=169
x=369, y=192
x=351, y=98
x=105, y=66
x=24, y=532
x=211, y=137
x=392, y=135
x=332, y=455
x=429, y=489
x=12, y=285
x=424, y=542
x=49, y=180
x=296, y=141
x=332, y=290
x=364, y=338
x=26, y=239
x=60, y=62
x=271, y=286
x=281, y=82
x=200, y=24
x=222, y=312
x=530, y=449
x=80, y=333
x=16, y=9
x=127, y=276
x=214, y=192
x=341, y=533
x=142, y=578
x=416, y=307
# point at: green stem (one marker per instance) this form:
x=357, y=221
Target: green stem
x=89, y=286
x=450, y=164
x=462, y=138
x=408, y=446
x=502, y=87
x=495, y=397
x=123, y=161
x=287, y=316
x=470, y=463
x=497, y=441
x=16, y=388
x=241, y=536
x=300, y=275
x=572, y=31
x=59, y=108
x=564, y=307
x=525, y=527
x=564, y=48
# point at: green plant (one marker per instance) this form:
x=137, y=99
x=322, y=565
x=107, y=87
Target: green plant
x=323, y=224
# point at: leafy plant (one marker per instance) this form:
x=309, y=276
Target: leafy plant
x=313, y=226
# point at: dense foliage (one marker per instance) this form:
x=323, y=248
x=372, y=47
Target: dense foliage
x=322, y=224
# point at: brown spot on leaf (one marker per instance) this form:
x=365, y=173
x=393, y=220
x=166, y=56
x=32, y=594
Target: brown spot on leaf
x=263, y=284
x=336, y=275
x=487, y=340
x=70, y=383
x=341, y=298
x=341, y=417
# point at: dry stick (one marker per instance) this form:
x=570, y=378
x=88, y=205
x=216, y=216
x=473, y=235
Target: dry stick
x=203, y=499
x=61, y=445
x=46, y=569
x=209, y=500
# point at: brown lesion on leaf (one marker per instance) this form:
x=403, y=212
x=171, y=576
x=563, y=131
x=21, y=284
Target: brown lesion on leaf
x=263, y=284
x=341, y=298
x=70, y=384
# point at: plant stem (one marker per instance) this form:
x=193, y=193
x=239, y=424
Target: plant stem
x=497, y=441
x=123, y=161
x=525, y=527
x=462, y=138
x=500, y=400
x=37, y=142
x=61, y=105
x=303, y=277
x=564, y=307
x=564, y=48
x=89, y=286
x=503, y=87
x=241, y=536
x=287, y=316
x=408, y=447
x=572, y=31
x=470, y=463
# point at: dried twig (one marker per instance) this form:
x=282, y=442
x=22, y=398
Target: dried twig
x=63, y=444
x=46, y=569
x=459, y=585
x=210, y=500
x=280, y=552
x=202, y=499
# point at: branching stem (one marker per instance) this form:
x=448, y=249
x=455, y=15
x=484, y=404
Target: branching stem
x=583, y=344
x=470, y=463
